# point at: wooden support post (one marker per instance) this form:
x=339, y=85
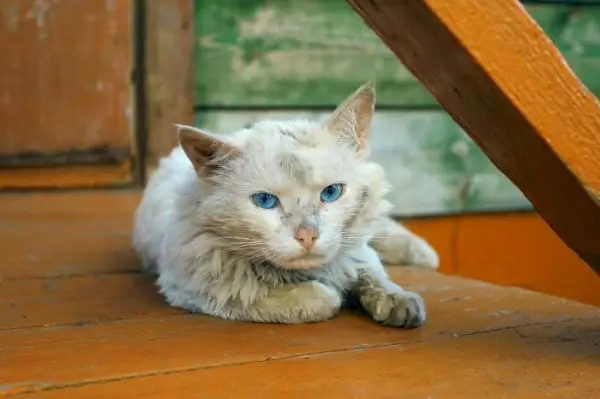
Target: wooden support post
x=169, y=48
x=500, y=77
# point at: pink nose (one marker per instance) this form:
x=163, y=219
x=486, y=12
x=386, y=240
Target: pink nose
x=306, y=237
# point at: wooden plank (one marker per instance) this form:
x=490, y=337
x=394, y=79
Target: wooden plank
x=266, y=54
x=72, y=176
x=36, y=209
x=67, y=233
x=556, y=361
x=66, y=92
x=502, y=80
x=312, y=54
x=66, y=249
x=135, y=348
x=169, y=44
x=81, y=300
x=521, y=250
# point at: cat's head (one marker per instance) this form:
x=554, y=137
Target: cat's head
x=294, y=193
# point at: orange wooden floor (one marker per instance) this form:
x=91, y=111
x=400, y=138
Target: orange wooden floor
x=78, y=321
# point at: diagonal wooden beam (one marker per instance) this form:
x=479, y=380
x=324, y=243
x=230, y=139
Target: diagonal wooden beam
x=500, y=77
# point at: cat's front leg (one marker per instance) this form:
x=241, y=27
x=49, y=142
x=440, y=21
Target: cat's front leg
x=304, y=302
x=387, y=302
x=398, y=246
x=384, y=300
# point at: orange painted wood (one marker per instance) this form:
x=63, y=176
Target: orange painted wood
x=540, y=361
x=79, y=249
x=107, y=332
x=495, y=71
x=72, y=176
x=169, y=43
x=521, y=250
x=37, y=209
x=168, y=343
x=66, y=96
x=67, y=233
x=88, y=299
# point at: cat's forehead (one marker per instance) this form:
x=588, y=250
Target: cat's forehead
x=298, y=150
x=284, y=135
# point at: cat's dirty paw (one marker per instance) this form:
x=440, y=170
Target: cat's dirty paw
x=397, y=309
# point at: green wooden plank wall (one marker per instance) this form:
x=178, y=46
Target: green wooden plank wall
x=284, y=59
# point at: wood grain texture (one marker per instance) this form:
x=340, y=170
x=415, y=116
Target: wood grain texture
x=556, y=361
x=275, y=53
x=83, y=323
x=66, y=176
x=169, y=43
x=78, y=300
x=196, y=343
x=73, y=233
x=499, y=76
x=65, y=88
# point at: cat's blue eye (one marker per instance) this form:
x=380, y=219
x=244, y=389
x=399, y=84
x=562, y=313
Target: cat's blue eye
x=332, y=193
x=265, y=200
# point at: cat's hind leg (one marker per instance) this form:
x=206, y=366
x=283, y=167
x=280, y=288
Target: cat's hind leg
x=398, y=246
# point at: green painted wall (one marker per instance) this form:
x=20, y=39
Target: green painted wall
x=297, y=55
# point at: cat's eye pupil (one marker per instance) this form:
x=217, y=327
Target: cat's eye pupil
x=332, y=192
x=265, y=200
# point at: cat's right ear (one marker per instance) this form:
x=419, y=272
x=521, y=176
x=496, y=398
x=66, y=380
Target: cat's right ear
x=206, y=152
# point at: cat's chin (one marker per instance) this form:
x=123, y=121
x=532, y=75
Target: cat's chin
x=306, y=262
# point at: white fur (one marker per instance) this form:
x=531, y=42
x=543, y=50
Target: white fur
x=214, y=251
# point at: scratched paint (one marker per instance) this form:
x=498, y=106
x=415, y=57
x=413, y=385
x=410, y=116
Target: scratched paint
x=38, y=13
x=271, y=52
x=65, y=90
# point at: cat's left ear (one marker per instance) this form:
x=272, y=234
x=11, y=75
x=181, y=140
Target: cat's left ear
x=353, y=117
x=207, y=152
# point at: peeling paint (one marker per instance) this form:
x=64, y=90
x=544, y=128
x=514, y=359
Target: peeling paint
x=11, y=16
x=39, y=13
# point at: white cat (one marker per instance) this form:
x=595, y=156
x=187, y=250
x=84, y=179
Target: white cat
x=277, y=223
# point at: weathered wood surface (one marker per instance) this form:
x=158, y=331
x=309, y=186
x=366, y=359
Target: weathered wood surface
x=66, y=94
x=99, y=329
x=169, y=44
x=283, y=53
x=496, y=72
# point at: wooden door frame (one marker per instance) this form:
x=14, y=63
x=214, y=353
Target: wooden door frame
x=79, y=168
x=162, y=40
x=168, y=77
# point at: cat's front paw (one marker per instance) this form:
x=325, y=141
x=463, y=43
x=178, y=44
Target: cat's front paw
x=397, y=309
